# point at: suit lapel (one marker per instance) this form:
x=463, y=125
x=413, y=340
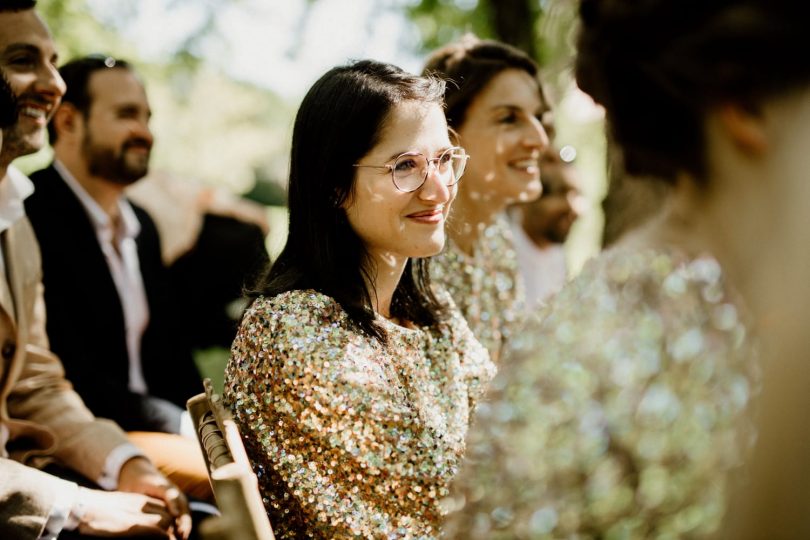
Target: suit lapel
x=18, y=263
x=6, y=286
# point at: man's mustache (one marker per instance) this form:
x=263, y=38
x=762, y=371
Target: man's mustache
x=137, y=142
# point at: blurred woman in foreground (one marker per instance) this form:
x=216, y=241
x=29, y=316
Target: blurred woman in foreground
x=628, y=403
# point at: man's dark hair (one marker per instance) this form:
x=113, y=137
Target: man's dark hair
x=76, y=75
x=8, y=104
x=17, y=5
x=340, y=120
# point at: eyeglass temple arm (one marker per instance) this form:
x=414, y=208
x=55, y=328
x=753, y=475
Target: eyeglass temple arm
x=386, y=167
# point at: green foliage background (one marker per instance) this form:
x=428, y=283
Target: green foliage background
x=228, y=133
x=212, y=128
x=207, y=126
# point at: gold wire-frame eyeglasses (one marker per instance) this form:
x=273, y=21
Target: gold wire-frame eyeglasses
x=411, y=169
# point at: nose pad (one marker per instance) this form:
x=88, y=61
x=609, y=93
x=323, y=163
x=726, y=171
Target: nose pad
x=434, y=187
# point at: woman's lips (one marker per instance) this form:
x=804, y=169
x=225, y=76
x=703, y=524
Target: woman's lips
x=434, y=215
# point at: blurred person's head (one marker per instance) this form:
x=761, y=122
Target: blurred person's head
x=353, y=207
x=102, y=127
x=28, y=61
x=496, y=104
x=548, y=219
x=661, y=68
x=708, y=96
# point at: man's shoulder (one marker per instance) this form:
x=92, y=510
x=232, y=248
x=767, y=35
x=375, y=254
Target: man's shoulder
x=43, y=176
x=54, y=211
x=47, y=183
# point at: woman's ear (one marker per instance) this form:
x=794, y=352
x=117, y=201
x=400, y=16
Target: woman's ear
x=745, y=126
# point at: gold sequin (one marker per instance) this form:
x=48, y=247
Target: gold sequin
x=486, y=286
x=623, y=412
x=350, y=438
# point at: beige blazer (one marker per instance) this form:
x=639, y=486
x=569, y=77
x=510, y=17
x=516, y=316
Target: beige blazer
x=46, y=420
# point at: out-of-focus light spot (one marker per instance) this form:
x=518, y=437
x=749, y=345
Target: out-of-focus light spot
x=568, y=153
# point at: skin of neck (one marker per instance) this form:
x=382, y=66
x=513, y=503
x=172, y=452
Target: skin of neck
x=470, y=216
x=105, y=193
x=727, y=214
x=385, y=270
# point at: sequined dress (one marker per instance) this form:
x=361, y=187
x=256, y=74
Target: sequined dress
x=623, y=414
x=486, y=286
x=351, y=438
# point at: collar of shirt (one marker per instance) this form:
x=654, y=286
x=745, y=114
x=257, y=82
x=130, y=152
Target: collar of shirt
x=129, y=226
x=14, y=189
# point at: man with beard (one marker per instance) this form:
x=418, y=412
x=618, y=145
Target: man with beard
x=541, y=227
x=110, y=313
x=43, y=423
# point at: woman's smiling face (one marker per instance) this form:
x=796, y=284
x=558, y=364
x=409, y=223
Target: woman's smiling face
x=503, y=134
x=390, y=222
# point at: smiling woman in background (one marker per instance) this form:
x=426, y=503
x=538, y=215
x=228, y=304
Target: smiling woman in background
x=495, y=104
x=352, y=381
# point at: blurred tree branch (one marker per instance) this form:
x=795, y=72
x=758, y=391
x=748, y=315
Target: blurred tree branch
x=541, y=28
x=513, y=22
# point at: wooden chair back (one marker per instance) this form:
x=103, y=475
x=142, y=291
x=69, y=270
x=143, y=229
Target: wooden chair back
x=235, y=486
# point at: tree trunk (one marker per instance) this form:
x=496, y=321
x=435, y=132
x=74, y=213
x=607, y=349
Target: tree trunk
x=513, y=22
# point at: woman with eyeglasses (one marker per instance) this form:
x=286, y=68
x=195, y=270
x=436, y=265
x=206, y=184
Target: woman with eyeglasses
x=495, y=104
x=351, y=377
x=630, y=406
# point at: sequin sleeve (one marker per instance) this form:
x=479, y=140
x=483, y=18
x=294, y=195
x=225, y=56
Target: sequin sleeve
x=620, y=413
x=345, y=443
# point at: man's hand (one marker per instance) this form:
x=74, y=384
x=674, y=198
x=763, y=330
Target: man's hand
x=138, y=475
x=113, y=513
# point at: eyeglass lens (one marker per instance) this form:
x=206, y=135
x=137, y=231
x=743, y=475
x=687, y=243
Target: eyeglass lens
x=411, y=170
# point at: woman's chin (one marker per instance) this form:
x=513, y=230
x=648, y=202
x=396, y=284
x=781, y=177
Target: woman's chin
x=525, y=192
x=428, y=249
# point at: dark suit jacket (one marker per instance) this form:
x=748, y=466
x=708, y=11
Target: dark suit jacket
x=85, y=321
x=227, y=257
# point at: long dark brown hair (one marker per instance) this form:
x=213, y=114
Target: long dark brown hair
x=339, y=121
